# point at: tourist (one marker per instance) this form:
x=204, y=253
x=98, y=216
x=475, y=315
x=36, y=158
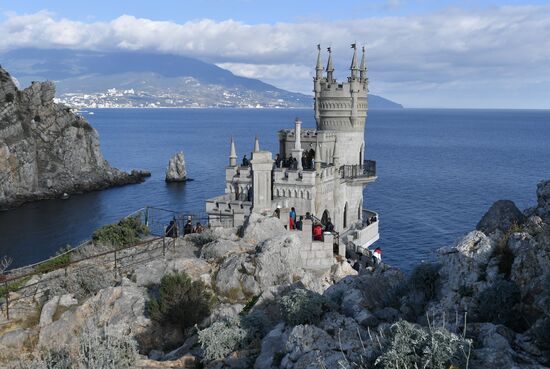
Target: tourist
x=308, y=215
x=294, y=164
x=245, y=161
x=304, y=161
x=198, y=228
x=289, y=162
x=278, y=161
x=329, y=227
x=292, y=215
x=172, y=229
x=188, y=229
x=277, y=212
x=317, y=232
x=377, y=254
x=299, y=223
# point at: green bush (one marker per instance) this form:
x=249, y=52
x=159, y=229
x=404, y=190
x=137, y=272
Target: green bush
x=126, y=232
x=95, y=349
x=61, y=260
x=497, y=303
x=301, y=306
x=182, y=302
x=256, y=324
x=412, y=346
x=13, y=286
x=425, y=278
x=201, y=239
x=221, y=338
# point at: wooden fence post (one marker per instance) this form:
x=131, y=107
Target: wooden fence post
x=7, y=301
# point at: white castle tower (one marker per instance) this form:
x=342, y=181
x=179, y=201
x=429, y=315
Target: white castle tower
x=321, y=172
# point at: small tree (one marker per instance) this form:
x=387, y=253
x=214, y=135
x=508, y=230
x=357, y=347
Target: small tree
x=182, y=301
x=5, y=263
x=301, y=306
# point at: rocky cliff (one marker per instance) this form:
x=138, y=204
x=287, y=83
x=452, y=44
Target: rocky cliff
x=485, y=303
x=46, y=150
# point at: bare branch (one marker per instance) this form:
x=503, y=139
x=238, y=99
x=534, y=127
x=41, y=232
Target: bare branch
x=5, y=263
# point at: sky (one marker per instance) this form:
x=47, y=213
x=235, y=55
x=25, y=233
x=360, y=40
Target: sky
x=420, y=53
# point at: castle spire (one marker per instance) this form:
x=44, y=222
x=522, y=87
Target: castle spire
x=363, y=68
x=256, y=145
x=330, y=67
x=232, y=154
x=319, y=67
x=353, y=66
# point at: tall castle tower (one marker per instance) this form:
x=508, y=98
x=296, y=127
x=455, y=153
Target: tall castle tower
x=342, y=107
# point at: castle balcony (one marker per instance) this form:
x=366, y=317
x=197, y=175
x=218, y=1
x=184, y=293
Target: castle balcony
x=364, y=173
x=364, y=233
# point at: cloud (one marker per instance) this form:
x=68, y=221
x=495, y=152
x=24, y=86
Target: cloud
x=444, y=55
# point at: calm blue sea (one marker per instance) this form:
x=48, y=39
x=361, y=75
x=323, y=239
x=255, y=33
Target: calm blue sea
x=439, y=170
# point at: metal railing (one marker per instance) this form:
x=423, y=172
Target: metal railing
x=120, y=258
x=365, y=170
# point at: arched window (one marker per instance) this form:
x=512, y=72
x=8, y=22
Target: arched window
x=325, y=217
x=346, y=215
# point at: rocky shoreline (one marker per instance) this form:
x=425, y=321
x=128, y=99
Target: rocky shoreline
x=485, y=303
x=47, y=151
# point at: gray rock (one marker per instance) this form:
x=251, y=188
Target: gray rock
x=46, y=150
x=501, y=215
x=48, y=311
x=258, y=228
x=543, y=200
x=67, y=300
x=222, y=248
x=176, y=172
x=272, y=343
x=387, y=314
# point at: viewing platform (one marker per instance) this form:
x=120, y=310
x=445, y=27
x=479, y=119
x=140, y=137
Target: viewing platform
x=364, y=173
x=363, y=234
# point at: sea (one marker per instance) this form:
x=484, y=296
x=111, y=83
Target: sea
x=438, y=172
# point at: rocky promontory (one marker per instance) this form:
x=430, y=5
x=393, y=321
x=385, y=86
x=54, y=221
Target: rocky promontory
x=46, y=150
x=241, y=298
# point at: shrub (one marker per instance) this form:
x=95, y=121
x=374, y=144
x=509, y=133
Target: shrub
x=182, y=301
x=301, y=306
x=256, y=324
x=201, y=239
x=126, y=232
x=61, y=260
x=13, y=286
x=106, y=351
x=83, y=282
x=411, y=346
x=497, y=303
x=96, y=349
x=250, y=304
x=425, y=278
x=9, y=97
x=221, y=338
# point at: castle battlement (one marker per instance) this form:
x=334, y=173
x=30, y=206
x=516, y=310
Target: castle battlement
x=319, y=171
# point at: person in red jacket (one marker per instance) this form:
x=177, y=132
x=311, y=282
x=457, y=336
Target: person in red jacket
x=317, y=232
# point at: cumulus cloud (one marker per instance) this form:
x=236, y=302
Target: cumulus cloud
x=445, y=55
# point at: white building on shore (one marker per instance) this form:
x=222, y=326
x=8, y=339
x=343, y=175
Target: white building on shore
x=329, y=174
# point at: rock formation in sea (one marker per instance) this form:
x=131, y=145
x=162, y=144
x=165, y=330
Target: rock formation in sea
x=176, y=172
x=47, y=150
x=484, y=303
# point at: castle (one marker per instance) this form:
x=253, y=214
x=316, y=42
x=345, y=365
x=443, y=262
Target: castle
x=329, y=172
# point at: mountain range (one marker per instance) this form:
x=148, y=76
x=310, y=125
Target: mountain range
x=87, y=79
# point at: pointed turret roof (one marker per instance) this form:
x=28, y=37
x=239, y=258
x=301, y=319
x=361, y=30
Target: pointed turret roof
x=330, y=66
x=354, y=58
x=232, y=151
x=319, y=62
x=363, y=67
